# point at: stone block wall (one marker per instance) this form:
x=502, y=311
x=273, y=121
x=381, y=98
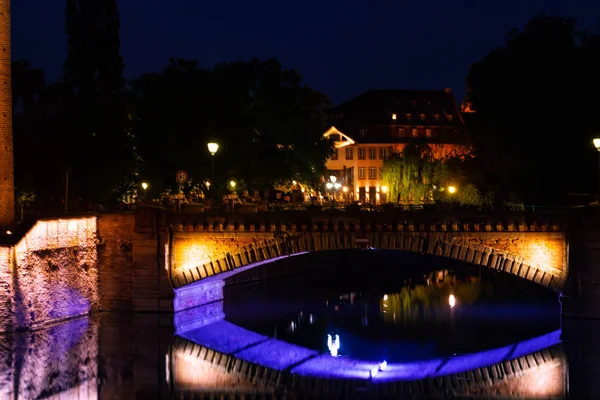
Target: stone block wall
x=132, y=264
x=50, y=274
x=115, y=260
x=7, y=188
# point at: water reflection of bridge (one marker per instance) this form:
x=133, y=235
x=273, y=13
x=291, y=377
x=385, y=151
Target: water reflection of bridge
x=211, y=353
x=108, y=359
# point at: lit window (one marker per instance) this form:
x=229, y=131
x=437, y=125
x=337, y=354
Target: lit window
x=415, y=133
x=372, y=153
x=373, y=173
x=428, y=132
x=380, y=173
x=422, y=117
x=361, y=153
x=450, y=117
x=394, y=116
x=382, y=153
x=349, y=153
x=400, y=131
x=362, y=132
x=362, y=173
x=436, y=117
x=408, y=116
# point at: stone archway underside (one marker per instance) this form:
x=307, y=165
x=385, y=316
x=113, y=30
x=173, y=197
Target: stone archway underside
x=437, y=244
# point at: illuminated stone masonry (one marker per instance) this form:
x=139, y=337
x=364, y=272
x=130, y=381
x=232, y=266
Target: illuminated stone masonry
x=537, y=251
x=49, y=274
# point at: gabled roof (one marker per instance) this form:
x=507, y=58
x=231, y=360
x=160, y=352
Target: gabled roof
x=340, y=139
x=381, y=111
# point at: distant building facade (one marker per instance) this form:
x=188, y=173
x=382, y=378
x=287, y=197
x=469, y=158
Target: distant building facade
x=378, y=123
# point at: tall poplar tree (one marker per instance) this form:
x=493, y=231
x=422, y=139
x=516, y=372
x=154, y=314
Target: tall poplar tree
x=100, y=135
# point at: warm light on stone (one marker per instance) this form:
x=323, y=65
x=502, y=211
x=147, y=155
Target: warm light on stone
x=50, y=274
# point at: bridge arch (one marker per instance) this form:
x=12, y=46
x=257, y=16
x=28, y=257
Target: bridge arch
x=431, y=243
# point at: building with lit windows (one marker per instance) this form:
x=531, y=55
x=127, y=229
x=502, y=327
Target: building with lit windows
x=369, y=128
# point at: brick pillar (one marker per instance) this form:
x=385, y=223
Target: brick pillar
x=7, y=184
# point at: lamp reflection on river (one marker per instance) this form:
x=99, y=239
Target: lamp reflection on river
x=333, y=345
x=452, y=301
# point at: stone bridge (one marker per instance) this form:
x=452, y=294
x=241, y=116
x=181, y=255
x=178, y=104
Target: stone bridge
x=533, y=249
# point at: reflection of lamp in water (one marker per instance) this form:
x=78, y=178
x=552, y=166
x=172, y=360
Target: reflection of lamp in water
x=383, y=365
x=452, y=301
x=333, y=345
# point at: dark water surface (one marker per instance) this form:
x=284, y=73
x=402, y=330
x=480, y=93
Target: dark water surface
x=381, y=306
x=393, y=306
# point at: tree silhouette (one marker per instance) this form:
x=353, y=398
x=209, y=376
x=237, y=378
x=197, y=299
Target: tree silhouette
x=535, y=100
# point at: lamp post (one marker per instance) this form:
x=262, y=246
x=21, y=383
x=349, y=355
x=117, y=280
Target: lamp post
x=332, y=184
x=212, y=148
x=597, y=146
x=144, y=186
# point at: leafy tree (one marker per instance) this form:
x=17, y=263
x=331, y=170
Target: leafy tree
x=535, y=101
x=268, y=125
x=23, y=198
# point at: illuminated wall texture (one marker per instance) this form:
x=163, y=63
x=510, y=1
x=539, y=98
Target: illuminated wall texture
x=539, y=256
x=197, y=248
x=50, y=274
x=548, y=250
x=59, y=362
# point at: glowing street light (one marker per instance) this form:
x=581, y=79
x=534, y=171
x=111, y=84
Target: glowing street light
x=597, y=146
x=145, y=187
x=232, y=184
x=212, y=149
x=451, y=189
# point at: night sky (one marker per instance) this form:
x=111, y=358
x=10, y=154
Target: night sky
x=341, y=48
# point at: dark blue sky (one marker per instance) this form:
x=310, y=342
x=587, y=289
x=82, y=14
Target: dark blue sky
x=341, y=48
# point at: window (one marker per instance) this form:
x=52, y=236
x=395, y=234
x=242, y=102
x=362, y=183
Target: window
x=362, y=132
x=372, y=153
x=349, y=153
x=380, y=173
x=449, y=117
x=415, y=133
x=373, y=173
x=436, y=117
x=382, y=153
x=394, y=116
x=408, y=116
x=422, y=117
x=362, y=173
x=335, y=154
x=401, y=132
x=428, y=132
x=361, y=153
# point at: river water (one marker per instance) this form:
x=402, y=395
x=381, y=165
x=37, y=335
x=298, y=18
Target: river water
x=326, y=314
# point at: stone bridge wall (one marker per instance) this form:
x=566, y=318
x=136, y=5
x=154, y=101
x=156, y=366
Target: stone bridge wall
x=537, y=251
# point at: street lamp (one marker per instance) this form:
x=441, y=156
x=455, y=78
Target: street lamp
x=451, y=189
x=232, y=184
x=212, y=149
x=332, y=184
x=144, y=186
x=597, y=145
